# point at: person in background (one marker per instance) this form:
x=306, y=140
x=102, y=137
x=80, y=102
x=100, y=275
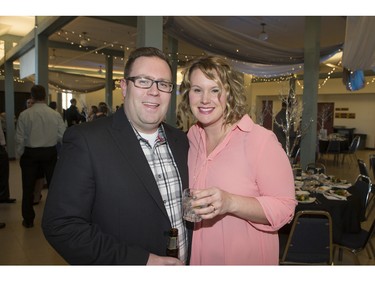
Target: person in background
x=102, y=110
x=92, y=113
x=39, y=129
x=29, y=103
x=244, y=204
x=72, y=115
x=126, y=175
x=41, y=180
x=4, y=171
x=280, y=123
x=53, y=105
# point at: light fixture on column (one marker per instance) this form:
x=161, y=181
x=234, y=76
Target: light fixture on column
x=100, y=71
x=53, y=55
x=263, y=35
x=84, y=41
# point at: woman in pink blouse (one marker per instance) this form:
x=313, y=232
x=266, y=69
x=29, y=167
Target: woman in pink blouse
x=238, y=170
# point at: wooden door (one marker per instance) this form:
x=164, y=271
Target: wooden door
x=267, y=114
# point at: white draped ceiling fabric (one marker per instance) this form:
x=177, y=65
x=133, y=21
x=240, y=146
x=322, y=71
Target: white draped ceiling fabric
x=359, y=45
x=218, y=35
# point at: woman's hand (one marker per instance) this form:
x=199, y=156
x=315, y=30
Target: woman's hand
x=212, y=202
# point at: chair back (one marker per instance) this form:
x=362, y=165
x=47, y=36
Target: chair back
x=310, y=239
x=372, y=164
x=357, y=242
x=363, y=187
x=354, y=144
x=362, y=168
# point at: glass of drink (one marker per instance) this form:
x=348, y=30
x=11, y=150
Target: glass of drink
x=188, y=211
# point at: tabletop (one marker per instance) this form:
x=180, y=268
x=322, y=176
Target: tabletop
x=333, y=195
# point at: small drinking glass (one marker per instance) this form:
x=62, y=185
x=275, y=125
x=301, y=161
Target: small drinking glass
x=188, y=211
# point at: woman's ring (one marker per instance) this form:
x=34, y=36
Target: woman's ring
x=213, y=207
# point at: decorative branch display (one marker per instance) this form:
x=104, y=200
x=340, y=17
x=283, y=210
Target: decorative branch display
x=291, y=125
x=323, y=116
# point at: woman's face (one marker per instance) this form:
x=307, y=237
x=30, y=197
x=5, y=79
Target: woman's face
x=207, y=99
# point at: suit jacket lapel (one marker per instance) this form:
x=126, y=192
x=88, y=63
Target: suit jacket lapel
x=126, y=140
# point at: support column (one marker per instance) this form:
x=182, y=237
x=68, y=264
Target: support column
x=172, y=114
x=310, y=90
x=9, y=103
x=41, y=61
x=150, y=32
x=109, y=85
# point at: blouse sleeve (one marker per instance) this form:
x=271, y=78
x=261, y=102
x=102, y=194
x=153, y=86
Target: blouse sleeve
x=274, y=177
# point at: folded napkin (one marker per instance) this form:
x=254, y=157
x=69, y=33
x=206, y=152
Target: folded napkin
x=342, y=185
x=333, y=196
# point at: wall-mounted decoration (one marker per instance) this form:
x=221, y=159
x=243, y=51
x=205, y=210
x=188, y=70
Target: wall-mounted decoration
x=341, y=108
x=345, y=115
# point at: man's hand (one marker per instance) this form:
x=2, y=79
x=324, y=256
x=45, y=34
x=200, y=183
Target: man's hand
x=159, y=260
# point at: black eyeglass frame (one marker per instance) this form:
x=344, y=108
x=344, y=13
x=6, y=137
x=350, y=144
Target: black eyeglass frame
x=134, y=78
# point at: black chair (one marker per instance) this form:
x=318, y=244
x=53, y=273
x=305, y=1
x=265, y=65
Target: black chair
x=366, y=176
x=310, y=240
x=364, y=171
x=363, y=187
x=372, y=164
x=363, y=168
x=351, y=152
x=357, y=242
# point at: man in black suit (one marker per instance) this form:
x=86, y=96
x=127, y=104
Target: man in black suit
x=116, y=190
x=72, y=115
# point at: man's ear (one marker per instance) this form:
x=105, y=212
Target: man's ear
x=124, y=87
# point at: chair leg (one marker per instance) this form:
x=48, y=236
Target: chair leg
x=368, y=253
x=340, y=254
x=356, y=259
x=372, y=248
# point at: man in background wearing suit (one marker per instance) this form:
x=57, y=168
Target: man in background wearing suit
x=116, y=190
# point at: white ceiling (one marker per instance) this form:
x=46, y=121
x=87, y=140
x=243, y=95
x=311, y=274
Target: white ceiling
x=103, y=32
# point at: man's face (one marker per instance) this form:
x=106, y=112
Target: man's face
x=146, y=108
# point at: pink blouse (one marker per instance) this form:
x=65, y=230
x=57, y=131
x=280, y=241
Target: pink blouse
x=248, y=162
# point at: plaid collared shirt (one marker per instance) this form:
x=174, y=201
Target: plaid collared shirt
x=164, y=168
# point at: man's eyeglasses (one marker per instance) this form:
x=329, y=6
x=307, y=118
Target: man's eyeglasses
x=146, y=83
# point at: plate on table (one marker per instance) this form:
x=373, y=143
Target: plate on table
x=322, y=189
x=304, y=197
x=298, y=183
x=336, y=194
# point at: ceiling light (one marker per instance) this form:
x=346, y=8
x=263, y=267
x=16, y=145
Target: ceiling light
x=263, y=35
x=85, y=41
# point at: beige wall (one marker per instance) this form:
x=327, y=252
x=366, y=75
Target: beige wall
x=361, y=102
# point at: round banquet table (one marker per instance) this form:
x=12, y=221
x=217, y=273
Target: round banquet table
x=346, y=214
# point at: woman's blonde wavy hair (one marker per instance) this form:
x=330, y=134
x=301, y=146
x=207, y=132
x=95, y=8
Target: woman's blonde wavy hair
x=216, y=69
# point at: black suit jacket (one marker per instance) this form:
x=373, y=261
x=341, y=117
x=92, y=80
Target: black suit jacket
x=103, y=205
